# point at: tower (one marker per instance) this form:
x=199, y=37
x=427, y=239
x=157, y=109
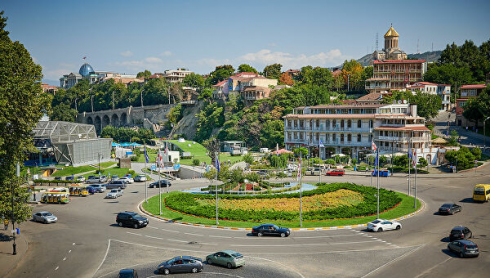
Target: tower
x=391, y=40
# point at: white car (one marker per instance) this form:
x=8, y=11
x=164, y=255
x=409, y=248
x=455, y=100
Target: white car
x=114, y=193
x=126, y=179
x=380, y=225
x=80, y=178
x=44, y=217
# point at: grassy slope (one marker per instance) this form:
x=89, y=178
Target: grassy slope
x=404, y=208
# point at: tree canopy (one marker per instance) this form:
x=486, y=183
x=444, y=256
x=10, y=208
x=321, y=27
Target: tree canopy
x=219, y=74
x=144, y=74
x=428, y=105
x=246, y=68
x=273, y=71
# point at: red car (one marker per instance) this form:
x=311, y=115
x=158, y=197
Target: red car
x=336, y=172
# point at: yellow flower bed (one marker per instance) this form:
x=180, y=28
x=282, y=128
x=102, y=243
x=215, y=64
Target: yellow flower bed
x=341, y=197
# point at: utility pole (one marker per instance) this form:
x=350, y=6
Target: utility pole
x=300, y=191
x=113, y=105
x=142, y=97
x=216, y=188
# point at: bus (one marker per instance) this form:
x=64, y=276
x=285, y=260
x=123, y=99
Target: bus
x=481, y=193
x=78, y=190
x=55, y=197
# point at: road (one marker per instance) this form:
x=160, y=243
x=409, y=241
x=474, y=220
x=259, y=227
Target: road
x=86, y=242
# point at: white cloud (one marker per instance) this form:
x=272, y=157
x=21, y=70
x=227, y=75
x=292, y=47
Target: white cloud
x=166, y=54
x=126, y=53
x=149, y=63
x=288, y=60
x=153, y=60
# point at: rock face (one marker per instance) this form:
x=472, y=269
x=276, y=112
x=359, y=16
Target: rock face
x=188, y=124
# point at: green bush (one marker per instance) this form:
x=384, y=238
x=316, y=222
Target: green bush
x=196, y=162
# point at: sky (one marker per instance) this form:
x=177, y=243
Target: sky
x=131, y=36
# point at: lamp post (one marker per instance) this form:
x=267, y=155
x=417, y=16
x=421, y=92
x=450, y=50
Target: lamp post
x=92, y=102
x=348, y=82
x=142, y=97
x=485, y=135
x=99, y=163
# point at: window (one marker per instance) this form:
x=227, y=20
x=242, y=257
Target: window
x=342, y=124
x=349, y=137
x=358, y=137
x=342, y=138
x=349, y=124
x=359, y=124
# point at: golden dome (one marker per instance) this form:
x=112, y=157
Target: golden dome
x=391, y=33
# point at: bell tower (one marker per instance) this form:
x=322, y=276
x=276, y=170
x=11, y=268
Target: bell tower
x=391, y=40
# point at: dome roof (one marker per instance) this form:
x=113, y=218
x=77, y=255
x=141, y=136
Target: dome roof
x=86, y=69
x=391, y=33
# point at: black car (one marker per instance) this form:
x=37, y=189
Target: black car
x=464, y=248
x=460, y=232
x=58, y=178
x=69, y=178
x=163, y=183
x=270, y=230
x=181, y=264
x=131, y=219
x=449, y=208
x=128, y=273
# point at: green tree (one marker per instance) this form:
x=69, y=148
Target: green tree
x=194, y=80
x=219, y=74
x=273, y=71
x=22, y=103
x=246, y=68
x=145, y=74
x=63, y=112
x=352, y=73
x=449, y=74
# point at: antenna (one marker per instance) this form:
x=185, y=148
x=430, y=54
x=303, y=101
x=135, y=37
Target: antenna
x=376, y=41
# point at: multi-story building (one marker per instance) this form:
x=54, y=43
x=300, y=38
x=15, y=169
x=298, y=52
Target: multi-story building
x=94, y=77
x=351, y=129
x=467, y=92
x=249, y=85
x=173, y=76
x=49, y=89
x=442, y=90
x=391, y=69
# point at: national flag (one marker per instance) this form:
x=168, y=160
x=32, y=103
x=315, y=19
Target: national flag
x=373, y=146
x=217, y=163
x=414, y=158
x=147, y=158
x=321, y=144
x=159, y=159
x=84, y=57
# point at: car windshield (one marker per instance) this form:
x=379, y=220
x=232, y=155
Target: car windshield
x=136, y=215
x=47, y=214
x=236, y=255
x=447, y=205
x=275, y=227
x=114, y=190
x=376, y=221
x=458, y=231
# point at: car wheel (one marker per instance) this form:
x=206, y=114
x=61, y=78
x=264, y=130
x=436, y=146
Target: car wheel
x=166, y=271
x=380, y=230
x=210, y=262
x=45, y=221
x=135, y=226
x=120, y=224
x=259, y=234
x=398, y=227
x=461, y=255
x=194, y=270
x=228, y=265
x=283, y=234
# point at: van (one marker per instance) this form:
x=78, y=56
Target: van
x=116, y=184
x=481, y=193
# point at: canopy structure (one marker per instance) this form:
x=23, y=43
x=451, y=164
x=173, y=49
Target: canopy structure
x=439, y=140
x=116, y=144
x=281, y=151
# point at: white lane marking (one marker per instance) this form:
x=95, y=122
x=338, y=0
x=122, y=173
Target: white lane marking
x=191, y=234
x=153, y=228
x=134, y=234
x=383, y=241
x=176, y=240
x=322, y=236
x=57, y=268
x=220, y=236
x=286, y=266
x=73, y=243
x=394, y=260
x=170, y=231
x=154, y=237
x=105, y=256
x=64, y=259
x=303, y=244
x=69, y=251
x=204, y=243
x=432, y=268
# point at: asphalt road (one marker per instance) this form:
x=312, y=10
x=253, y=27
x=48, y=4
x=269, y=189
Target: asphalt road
x=86, y=242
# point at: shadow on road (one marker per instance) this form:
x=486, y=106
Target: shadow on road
x=467, y=200
x=4, y=237
x=449, y=253
x=445, y=239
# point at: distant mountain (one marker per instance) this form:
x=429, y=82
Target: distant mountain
x=430, y=56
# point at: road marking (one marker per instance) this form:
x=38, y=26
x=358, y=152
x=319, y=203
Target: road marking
x=153, y=227
x=154, y=237
x=57, y=268
x=192, y=234
x=105, y=256
x=64, y=259
x=73, y=243
x=176, y=240
x=220, y=236
x=394, y=260
x=303, y=244
x=134, y=234
x=171, y=231
x=432, y=268
x=69, y=251
x=321, y=236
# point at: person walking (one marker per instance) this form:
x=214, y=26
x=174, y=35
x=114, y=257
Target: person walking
x=6, y=224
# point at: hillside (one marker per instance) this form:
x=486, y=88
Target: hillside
x=430, y=56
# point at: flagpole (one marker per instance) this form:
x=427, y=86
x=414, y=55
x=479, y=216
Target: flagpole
x=319, y=145
x=300, y=192
x=409, y=162
x=377, y=195
x=146, y=188
x=216, y=188
x=415, y=189
x=159, y=182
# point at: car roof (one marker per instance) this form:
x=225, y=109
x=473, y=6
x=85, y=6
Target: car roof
x=448, y=204
x=465, y=241
x=229, y=251
x=457, y=228
x=43, y=211
x=126, y=271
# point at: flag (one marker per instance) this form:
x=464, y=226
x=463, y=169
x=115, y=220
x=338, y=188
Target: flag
x=217, y=163
x=147, y=158
x=166, y=148
x=414, y=158
x=299, y=169
x=373, y=146
x=321, y=144
x=159, y=159
x=84, y=57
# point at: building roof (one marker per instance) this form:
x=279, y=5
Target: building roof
x=360, y=105
x=399, y=61
x=255, y=88
x=371, y=97
x=414, y=128
x=220, y=83
x=391, y=33
x=476, y=86
x=328, y=116
x=245, y=73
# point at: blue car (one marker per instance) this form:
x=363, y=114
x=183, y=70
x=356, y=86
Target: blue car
x=382, y=173
x=92, y=190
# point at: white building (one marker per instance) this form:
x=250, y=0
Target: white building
x=351, y=129
x=442, y=90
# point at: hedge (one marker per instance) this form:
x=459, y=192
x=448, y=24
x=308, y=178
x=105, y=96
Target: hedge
x=187, y=203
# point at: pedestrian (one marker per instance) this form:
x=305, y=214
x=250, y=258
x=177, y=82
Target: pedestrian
x=466, y=128
x=6, y=224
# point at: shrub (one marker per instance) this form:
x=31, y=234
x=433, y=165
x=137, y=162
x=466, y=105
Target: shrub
x=196, y=162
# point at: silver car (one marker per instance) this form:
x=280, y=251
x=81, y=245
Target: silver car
x=114, y=193
x=140, y=178
x=44, y=217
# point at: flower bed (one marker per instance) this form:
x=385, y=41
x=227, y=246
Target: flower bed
x=328, y=201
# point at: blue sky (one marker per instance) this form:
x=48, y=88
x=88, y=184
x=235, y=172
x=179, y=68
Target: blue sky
x=131, y=36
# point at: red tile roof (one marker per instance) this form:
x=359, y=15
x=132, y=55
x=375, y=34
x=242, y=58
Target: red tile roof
x=476, y=86
x=220, y=83
x=398, y=61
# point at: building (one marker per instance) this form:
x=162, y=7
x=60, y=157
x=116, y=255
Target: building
x=442, y=90
x=467, y=92
x=49, y=89
x=250, y=86
x=173, y=76
x=391, y=69
x=351, y=129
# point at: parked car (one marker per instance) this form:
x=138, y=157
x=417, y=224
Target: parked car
x=140, y=178
x=449, y=208
x=114, y=193
x=44, y=217
x=114, y=177
x=313, y=172
x=131, y=219
x=163, y=183
x=58, y=178
x=92, y=190
x=94, y=179
x=116, y=184
x=270, y=230
x=100, y=187
x=228, y=258
x=128, y=273
x=81, y=178
x=382, y=173
x=103, y=178
x=126, y=179
x=380, y=225
x=464, y=248
x=336, y=172
x=460, y=232
x=69, y=178
x=181, y=264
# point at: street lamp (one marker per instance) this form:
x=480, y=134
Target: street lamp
x=142, y=97
x=485, y=135
x=348, y=82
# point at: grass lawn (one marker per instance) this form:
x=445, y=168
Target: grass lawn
x=112, y=171
x=107, y=164
x=404, y=208
x=70, y=170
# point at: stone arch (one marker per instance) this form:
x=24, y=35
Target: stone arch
x=124, y=119
x=105, y=121
x=115, y=120
x=98, y=124
x=90, y=121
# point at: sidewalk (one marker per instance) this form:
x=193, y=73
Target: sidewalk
x=8, y=261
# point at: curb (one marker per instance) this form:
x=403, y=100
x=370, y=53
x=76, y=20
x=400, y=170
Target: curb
x=141, y=209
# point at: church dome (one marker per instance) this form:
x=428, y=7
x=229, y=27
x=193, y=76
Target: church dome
x=391, y=33
x=85, y=70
